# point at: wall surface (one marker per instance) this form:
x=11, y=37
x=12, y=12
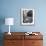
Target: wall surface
x=11, y=8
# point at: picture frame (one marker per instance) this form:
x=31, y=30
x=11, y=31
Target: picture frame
x=27, y=16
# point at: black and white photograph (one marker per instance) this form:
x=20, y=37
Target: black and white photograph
x=27, y=16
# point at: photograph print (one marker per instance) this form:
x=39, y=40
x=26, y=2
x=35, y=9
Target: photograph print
x=27, y=16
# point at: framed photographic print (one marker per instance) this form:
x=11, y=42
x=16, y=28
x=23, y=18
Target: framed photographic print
x=27, y=16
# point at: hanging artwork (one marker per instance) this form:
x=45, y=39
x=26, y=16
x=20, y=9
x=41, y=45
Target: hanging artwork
x=27, y=16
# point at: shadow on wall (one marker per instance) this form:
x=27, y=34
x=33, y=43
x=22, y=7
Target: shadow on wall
x=2, y=21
